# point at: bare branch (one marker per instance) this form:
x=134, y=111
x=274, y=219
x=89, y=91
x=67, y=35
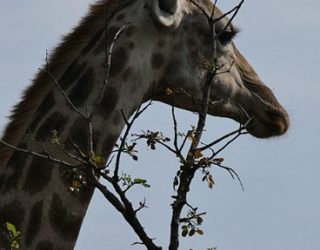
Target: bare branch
x=175, y=124
x=107, y=194
x=188, y=169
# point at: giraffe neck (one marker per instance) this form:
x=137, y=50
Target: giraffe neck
x=35, y=193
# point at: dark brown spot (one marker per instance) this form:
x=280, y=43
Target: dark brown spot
x=131, y=45
x=93, y=41
x=178, y=48
x=133, y=87
x=56, y=121
x=86, y=192
x=194, y=60
x=180, y=80
x=120, y=17
x=101, y=47
x=108, y=102
x=117, y=119
x=119, y=60
x=126, y=74
x=78, y=134
x=161, y=43
x=34, y=222
x=44, y=245
x=16, y=165
x=65, y=224
x=191, y=42
x=83, y=87
x=171, y=72
x=109, y=143
x=150, y=92
x=43, y=109
x=157, y=60
x=13, y=213
x=202, y=35
x=39, y=175
x=2, y=180
x=72, y=73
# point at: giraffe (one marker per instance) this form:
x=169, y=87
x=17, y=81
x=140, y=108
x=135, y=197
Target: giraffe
x=163, y=47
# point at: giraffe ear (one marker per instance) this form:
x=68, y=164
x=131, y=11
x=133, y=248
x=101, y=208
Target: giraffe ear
x=167, y=12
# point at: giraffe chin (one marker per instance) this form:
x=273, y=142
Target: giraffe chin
x=263, y=124
x=276, y=124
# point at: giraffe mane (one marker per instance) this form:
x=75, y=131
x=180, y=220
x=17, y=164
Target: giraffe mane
x=72, y=44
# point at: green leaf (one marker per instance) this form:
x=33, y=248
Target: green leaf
x=199, y=231
x=14, y=235
x=54, y=137
x=192, y=232
x=97, y=160
x=199, y=220
x=142, y=182
x=11, y=228
x=211, y=182
x=184, y=233
x=139, y=181
x=184, y=227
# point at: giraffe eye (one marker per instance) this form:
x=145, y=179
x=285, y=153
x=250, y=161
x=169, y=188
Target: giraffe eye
x=226, y=36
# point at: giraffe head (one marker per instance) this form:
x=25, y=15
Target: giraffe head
x=183, y=37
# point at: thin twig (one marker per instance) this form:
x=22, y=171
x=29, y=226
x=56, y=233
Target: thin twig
x=200, y=8
x=239, y=130
x=235, y=10
x=129, y=124
x=192, y=217
x=47, y=70
x=90, y=137
x=232, y=173
x=183, y=142
x=167, y=147
x=109, y=58
x=46, y=157
x=142, y=205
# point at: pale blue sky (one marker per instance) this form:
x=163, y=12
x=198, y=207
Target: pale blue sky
x=280, y=206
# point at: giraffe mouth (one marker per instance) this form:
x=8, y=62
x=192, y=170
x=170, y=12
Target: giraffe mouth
x=269, y=124
x=265, y=122
x=269, y=117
